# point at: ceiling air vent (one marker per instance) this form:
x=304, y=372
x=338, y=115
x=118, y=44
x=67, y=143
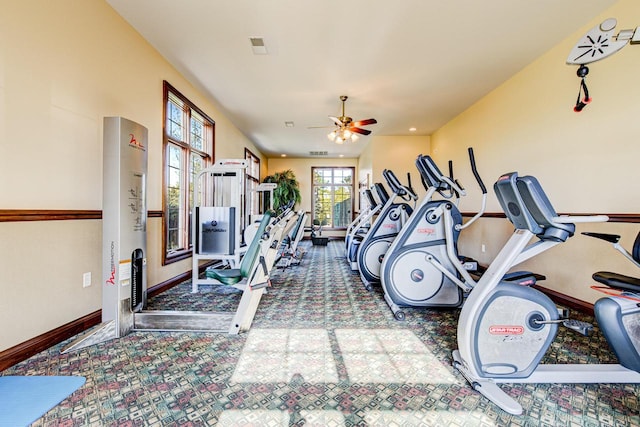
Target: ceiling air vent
x=318, y=153
x=257, y=46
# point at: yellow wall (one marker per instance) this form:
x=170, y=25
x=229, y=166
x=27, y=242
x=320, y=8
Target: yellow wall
x=365, y=165
x=398, y=154
x=64, y=65
x=586, y=162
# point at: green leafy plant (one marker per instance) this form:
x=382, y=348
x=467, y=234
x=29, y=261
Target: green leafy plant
x=288, y=188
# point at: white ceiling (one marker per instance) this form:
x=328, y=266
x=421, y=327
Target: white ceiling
x=407, y=63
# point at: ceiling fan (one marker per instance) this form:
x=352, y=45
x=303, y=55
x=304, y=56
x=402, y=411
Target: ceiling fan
x=347, y=129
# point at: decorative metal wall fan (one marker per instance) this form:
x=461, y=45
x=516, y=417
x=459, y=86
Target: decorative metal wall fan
x=347, y=129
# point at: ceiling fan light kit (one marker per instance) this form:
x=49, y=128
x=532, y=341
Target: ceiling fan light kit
x=340, y=136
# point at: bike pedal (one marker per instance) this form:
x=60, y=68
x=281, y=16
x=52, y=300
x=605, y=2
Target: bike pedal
x=578, y=326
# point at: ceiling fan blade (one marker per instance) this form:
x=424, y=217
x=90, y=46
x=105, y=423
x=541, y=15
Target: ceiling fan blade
x=320, y=127
x=358, y=130
x=336, y=120
x=365, y=122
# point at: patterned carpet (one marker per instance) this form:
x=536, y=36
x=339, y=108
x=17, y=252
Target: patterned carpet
x=322, y=352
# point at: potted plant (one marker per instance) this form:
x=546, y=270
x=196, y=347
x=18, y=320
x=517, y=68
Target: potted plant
x=288, y=189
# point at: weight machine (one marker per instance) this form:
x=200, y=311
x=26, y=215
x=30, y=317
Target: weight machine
x=218, y=195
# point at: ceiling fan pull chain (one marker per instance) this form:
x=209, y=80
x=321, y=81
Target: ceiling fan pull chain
x=581, y=103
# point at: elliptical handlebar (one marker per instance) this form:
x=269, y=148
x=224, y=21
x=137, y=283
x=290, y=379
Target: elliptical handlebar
x=406, y=193
x=392, y=181
x=453, y=179
x=483, y=188
x=428, y=180
x=449, y=186
x=372, y=201
x=442, y=182
x=474, y=169
x=381, y=192
x=410, y=189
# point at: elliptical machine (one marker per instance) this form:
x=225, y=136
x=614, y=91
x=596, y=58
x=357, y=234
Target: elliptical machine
x=361, y=224
x=422, y=267
x=504, y=329
x=354, y=238
x=384, y=230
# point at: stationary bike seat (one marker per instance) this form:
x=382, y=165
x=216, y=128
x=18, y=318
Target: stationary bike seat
x=617, y=281
x=523, y=278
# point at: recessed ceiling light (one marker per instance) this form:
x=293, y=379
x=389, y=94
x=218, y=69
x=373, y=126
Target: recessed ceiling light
x=283, y=155
x=412, y=129
x=289, y=124
x=341, y=155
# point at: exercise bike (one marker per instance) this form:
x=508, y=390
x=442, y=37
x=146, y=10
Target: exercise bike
x=621, y=309
x=505, y=329
x=384, y=230
x=422, y=267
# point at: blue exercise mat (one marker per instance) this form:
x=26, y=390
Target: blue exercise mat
x=25, y=399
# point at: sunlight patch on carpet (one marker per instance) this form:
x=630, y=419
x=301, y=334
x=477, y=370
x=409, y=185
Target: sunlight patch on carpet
x=276, y=355
x=253, y=417
x=390, y=356
x=426, y=418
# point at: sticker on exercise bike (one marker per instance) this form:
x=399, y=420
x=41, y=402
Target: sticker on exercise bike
x=426, y=230
x=506, y=330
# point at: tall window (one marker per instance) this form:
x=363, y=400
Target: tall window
x=332, y=196
x=252, y=180
x=188, y=146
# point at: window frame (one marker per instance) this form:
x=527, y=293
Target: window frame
x=187, y=150
x=352, y=187
x=250, y=179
